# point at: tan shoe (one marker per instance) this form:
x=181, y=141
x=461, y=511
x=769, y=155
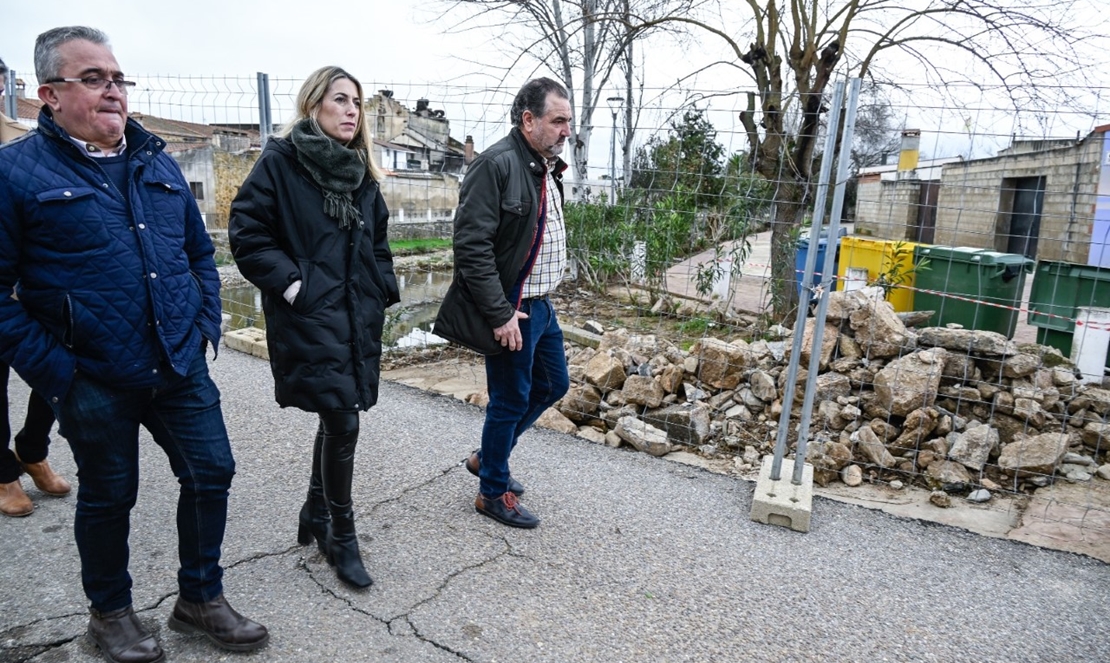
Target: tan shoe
x=47, y=480
x=13, y=501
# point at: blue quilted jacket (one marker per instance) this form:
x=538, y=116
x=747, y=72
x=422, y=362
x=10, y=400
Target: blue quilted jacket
x=121, y=286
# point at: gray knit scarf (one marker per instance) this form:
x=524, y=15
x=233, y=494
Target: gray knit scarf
x=338, y=170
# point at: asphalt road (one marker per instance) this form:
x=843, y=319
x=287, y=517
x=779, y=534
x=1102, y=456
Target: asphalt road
x=637, y=559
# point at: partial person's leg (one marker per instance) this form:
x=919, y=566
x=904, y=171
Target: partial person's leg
x=550, y=377
x=337, y=464
x=32, y=443
x=509, y=382
x=101, y=425
x=9, y=466
x=13, y=501
x=186, y=420
x=314, y=516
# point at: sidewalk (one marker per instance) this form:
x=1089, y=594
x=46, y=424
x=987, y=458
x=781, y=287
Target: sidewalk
x=637, y=559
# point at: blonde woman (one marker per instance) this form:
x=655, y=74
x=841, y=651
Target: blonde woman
x=308, y=227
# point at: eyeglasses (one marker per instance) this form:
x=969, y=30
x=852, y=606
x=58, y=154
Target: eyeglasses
x=96, y=83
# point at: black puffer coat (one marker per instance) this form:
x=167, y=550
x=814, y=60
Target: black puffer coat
x=325, y=349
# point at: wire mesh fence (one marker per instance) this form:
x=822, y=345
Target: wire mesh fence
x=969, y=312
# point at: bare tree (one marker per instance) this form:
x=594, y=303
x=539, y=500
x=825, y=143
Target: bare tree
x=876, y=135
x=583, y=42
x=1027, y=46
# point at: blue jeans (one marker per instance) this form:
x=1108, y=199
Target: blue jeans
x=183, y=416
x=521, y=385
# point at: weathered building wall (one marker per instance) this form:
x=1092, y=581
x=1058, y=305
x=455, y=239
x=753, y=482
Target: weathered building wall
x=231, y=169
x=387, y=116
x=888, y=209
x=196, y=166
x=974, y=204
x=420, y=204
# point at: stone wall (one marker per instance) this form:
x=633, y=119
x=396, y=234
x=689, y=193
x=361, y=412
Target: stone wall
x=973, y=207
x=231, y=170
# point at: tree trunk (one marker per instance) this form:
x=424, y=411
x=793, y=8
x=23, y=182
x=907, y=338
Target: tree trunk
x=585, y=112
x=789, y=214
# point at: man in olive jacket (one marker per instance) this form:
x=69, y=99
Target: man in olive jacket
x=510, y=254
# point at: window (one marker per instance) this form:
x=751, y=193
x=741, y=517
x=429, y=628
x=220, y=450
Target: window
x=197, y=189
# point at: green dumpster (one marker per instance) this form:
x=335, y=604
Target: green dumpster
x=1059, y=289
x=988, y=277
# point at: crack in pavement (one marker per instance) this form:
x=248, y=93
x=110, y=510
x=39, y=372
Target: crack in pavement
x=411, y=489
x=406, y=616
x=20, y=653
x=393, y=624
x=399, y=625
x=24, y=653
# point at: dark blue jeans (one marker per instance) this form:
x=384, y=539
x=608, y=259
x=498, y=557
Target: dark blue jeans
x=521, y=385
x=183, y=415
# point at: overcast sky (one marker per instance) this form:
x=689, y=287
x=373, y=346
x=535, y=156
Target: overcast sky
x=387, y=43
x=383, y=42
x=375, y=39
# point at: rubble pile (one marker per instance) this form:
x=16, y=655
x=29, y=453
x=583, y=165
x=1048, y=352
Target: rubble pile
x=959, y=411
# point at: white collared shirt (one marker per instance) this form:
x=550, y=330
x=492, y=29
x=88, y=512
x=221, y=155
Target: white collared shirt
x=551, y=261
x=94, y=151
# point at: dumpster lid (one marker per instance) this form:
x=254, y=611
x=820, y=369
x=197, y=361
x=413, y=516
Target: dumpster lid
x=951, y=253
x=1016, y=259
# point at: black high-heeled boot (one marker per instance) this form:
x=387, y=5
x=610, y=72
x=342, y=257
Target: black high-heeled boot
x=343, y=551
x=314, y=518
x=337, y=465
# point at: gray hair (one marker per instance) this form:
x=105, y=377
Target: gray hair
x=533, y=97
x=48, y=63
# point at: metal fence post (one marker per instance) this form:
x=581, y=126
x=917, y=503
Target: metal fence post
x=265, y=123
x=828, y=282
x=807, y=278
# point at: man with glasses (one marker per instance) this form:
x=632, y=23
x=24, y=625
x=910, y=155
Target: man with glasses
x=117, y=298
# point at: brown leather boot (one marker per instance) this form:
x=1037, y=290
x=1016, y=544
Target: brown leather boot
x=220, y=623
x=122, y=638
x=13, y=501
x=47, y=480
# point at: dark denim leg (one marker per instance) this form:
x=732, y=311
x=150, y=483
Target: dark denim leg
x=185, y=419
x=101, y=425
x=550, y=378
x=519, y=384
x=9, y=466
x=32, y=443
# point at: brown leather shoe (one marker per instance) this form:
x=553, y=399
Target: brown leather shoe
x=13, y=501
x=46, y=479
x=122, y=638
x=218, y=621
x=506, y=510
